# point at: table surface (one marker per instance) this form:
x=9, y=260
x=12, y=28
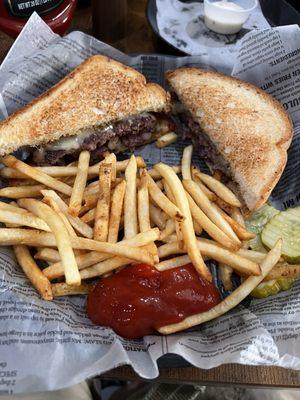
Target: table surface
x=141, y=39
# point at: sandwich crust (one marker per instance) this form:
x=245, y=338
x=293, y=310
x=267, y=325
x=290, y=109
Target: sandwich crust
x=249, y=127
x=99, y=91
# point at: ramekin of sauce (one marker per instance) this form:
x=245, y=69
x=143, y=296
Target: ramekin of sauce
x=227, y=17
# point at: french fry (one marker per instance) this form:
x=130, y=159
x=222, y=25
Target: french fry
x=225, y=275
x=177, y=224
x=61, y=235
x=59, y=172
x=166, y=140
x=79, y=184
x=104, y=267
x=63, y=289
x=47, y=254
x=170, y=249
x=91, y=200
x=23, y=220
x=117, y=249
x=78, y=225
x=19, y=192
x=157, y=217
x=13, y=207
x=89, y=216
x=220, y=190
x=54, y=206
x=29, y=237
x=12, y=236
x=233, y=299
x=284, y=271
x=172, y=238
x=215, y=252
x=103, y=204
x=197, y=227
x=162, y=201
x=237, y=216
x=21, y=182
x=93, y=189
x=224, y=206
x=208, y=193
x=187, y=225
x=175, y=262
x=69, y=180
x=112, y=159
x=208, y=226
x=156, y=175
x=186, y=162
x=152, y=248
x=169, y=229
x=159, y=184
x=208, y=208
x=56, y=269
x=240, y=231
x=122, y=165
x=36, y=174
x=33, y=273
x=143, y=203
x=84, y=209
x=117, y=201
x=252, y=255
x=88, y=259
x=130, y=200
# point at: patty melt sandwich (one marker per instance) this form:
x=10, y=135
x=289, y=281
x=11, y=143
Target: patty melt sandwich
x=236, y=127
x=101, y=106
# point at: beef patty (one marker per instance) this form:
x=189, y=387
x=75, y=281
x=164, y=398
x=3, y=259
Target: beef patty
x=125, y=134
x=188, y=128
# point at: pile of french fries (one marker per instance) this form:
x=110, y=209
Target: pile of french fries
x=89, y=221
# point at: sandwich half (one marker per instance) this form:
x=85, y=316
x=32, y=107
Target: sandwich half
x=101, y=106
x=236, y=127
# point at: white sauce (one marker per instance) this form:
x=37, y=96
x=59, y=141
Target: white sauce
x=224, y=17
x=228, y=4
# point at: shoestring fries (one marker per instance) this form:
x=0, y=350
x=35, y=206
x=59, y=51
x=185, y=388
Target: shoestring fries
x=86, y=222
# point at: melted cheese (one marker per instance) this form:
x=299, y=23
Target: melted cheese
x=74, y=142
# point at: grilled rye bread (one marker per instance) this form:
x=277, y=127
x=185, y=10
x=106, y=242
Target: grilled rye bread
x=98, y=93
x=237, y=128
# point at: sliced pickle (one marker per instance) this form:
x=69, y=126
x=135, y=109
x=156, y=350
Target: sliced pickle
x=270, y=288
x=257, y=245
x=266, y=289
x=285, y=283
x=256, y=223
x=285, y=225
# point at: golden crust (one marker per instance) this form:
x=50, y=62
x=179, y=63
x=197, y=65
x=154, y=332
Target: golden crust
x=250, y=128
x=98, y=91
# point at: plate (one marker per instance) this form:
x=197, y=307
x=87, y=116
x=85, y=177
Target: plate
x=277, y=13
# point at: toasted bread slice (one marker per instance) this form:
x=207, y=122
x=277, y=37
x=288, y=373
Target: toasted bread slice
x=248, y=127
x=97, y=92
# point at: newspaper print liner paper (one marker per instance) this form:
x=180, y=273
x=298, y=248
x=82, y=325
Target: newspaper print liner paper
x=50, y=345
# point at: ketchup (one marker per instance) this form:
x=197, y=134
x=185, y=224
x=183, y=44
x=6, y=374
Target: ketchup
x=57, y=14
x=139, y=299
